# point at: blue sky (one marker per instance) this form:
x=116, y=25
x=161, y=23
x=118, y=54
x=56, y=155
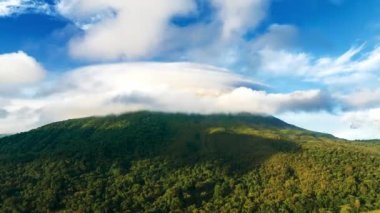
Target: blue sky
x=314, y=63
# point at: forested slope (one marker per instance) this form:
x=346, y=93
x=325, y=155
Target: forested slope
x=157, y=162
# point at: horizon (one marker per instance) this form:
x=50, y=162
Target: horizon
x=315, y=64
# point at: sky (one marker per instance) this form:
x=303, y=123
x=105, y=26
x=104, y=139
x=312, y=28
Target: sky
x=315, y=63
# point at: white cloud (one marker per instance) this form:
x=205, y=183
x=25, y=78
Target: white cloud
x=19, y=68
x=282, y=62
x=130, y=29
x=364, y=117
x=248, y=100
x=121, y=29
x=239, y=15
x=7, y=6
x=278, y=36
x=182, y=87
x=11, y=7
x=360, y=99
x=347, y=68
x=362, y=124
x=174, y=87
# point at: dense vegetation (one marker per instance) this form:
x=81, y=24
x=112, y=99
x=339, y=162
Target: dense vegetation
x=157, y=162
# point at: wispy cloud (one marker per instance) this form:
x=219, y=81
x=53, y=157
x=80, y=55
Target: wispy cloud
x=15, y=7
x=344, y=69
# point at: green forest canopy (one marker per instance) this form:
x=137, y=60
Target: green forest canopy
x=158, y=162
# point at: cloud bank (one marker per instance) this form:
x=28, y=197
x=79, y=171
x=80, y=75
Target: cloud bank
x=175, y=87
x=172, y=87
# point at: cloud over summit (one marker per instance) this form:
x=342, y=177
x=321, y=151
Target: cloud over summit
x=174, y=87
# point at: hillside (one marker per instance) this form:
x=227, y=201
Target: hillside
x=157, y=162
x=3, y=135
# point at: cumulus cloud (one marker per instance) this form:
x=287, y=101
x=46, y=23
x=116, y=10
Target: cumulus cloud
x=114, y=30
x=121, y=29
x=240, y=15
x=19, y=68
x=172, y=87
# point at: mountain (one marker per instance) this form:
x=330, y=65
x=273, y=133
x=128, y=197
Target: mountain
x=159, y=162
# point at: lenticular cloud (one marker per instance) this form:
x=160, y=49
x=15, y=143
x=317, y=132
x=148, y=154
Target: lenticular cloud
x=170, y=87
